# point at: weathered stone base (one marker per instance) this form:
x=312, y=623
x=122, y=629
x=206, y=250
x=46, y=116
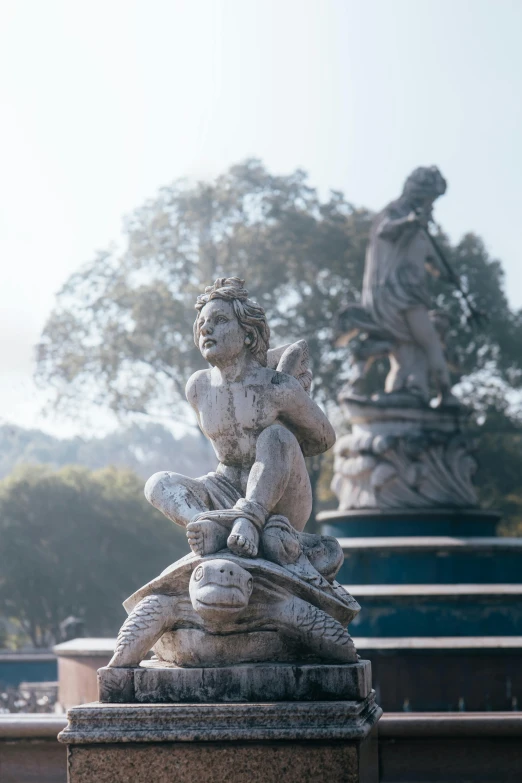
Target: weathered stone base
x=216, y=762
x=261, y=743
x=157, y=683
x=109, y=723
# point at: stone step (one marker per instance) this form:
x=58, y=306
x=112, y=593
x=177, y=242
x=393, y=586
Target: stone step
x=431, y=748
x=437, y=610
x=409, y=522
x=453, y=673
x=431, y=559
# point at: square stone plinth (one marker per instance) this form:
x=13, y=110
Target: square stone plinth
x=258, y=743
x=220, y=762
x=155, y=683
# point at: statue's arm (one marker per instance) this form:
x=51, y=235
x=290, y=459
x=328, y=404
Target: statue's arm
x=392, y=228
x=196, y=387
x=304, y=418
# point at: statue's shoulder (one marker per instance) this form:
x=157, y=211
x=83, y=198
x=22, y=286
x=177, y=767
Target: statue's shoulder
x=264, y=376
x=272, y=382
x=395, y=210
x=196, y=384
x=281, y=384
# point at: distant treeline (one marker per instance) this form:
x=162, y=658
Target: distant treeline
x=144, y=448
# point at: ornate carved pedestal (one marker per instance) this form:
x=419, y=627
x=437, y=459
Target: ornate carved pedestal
x=403, y=457
x=306, y=722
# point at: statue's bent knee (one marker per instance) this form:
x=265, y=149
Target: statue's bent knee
x=165, y=487
x=155, y=487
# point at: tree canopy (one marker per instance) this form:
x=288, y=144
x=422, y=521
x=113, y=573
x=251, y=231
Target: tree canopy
x=76, y=542
x=121, y=332
x=122, y=327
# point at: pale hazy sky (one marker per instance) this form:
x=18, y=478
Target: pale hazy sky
x=103, y=102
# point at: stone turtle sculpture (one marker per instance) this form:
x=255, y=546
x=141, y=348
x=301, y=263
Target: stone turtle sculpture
x=222, y=609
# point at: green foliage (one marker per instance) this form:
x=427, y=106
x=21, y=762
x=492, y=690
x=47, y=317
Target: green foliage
x=500, y=467
x=77, y=542
x=495, y=348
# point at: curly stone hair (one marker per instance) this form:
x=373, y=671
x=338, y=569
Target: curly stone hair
x=250, y=315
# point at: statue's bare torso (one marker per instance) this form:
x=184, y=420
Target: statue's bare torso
x=232, y=414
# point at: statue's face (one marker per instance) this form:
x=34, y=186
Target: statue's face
x=219, y=589
x=221, y=336
x=426, y=201
x=422, y=200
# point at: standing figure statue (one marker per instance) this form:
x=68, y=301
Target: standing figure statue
x=253, y=405
x=395, y=315
x=402, y=451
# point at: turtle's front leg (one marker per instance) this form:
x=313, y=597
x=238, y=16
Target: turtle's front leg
x=317, y=632
x=142, y=629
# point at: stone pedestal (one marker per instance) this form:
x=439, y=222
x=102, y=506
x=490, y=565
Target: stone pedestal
x=314, y=721
x=154, y=683
x=403, y=457
x=262, y=743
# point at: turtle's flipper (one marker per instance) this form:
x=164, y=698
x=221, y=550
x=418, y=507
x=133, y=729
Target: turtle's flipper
x=318, y=633
x=142, y=629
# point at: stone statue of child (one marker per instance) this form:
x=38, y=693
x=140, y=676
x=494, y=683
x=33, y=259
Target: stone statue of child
x=262, y=423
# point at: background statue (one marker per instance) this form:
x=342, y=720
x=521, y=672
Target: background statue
x=395, y=318
x=403, y=452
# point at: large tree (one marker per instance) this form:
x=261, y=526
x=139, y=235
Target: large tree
x=121, y=331
x=76, y=542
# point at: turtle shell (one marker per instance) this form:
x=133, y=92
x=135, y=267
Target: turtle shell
x=271, y=581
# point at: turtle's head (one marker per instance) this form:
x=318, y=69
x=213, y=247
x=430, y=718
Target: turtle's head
x=220, y=589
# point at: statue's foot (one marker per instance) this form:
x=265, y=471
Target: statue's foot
x=324, y=553
x=205, y=536
x=244, y=538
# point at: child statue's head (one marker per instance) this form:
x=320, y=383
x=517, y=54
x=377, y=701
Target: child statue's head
x=250, y=316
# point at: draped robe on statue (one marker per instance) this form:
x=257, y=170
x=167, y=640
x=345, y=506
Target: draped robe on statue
x=395, y=275
x=395, y=281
